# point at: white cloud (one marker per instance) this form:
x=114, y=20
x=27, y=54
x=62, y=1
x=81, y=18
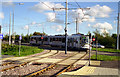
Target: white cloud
x=33, y=23
x=89, y=25
x=8, y=3
x=39, y=24
x=99, y=11
x=92, y=19
x=114, y=21
x=103, y=27
x=51, y=16
x=58, y=28
x=89, y=15
x=46, y=6
x=1, y=15
x=26, y=27
x=80, y=14
x=76, y=14
x=104, y=31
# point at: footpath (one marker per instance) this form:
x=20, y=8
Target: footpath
x=96, y=69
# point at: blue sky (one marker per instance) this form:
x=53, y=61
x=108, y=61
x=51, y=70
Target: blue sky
x=29, y=15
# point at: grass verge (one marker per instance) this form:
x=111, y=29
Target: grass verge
x=14, y=50
x=106, y=49
x=105, y=58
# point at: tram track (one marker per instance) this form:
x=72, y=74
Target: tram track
x=65, y=68
x=21, y=59
x=24, y=63
x=69, y=66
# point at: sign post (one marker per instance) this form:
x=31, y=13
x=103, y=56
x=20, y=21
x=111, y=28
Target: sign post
x=96, y=47
x=89, y=47
x=20, y=38
x=1, y=37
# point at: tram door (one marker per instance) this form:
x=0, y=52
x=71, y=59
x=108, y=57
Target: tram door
x=36, y=40
x=72, y=42
x=68, y=42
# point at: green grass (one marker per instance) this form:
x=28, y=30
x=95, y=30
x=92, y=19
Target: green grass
x=14, y=50
x=105, y=58
x=106, y=49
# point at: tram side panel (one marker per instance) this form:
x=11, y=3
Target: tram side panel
x=33, y=40
x=56, y=41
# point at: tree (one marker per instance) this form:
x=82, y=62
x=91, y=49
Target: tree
x=38, y=33
x=107, y=41
x=96, y=33
x=88, y=33
x=6, y=37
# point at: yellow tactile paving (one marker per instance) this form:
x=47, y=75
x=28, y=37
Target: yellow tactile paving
x=48, y=60
x=95, y=63
x=86, y=70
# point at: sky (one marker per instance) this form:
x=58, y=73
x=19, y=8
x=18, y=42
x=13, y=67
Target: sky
x=40, y=17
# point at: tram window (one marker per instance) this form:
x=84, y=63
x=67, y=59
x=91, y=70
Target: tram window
x=39, y=38
x=80, y=38
x=56, y=39
x=75, y=40
x=46, y=39
x=50, y=39
x=33, y=39
x=68, y=40
x=53, y=39
x=63, y=40
x=59, y=39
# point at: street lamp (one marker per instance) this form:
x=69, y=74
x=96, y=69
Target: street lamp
x=13, y=33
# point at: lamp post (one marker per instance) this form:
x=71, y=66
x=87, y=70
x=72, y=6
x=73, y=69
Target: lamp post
x=118, y=28
x=13, y=33
x=10, y=30
x=66, y=29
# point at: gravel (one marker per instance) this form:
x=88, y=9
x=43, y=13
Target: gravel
x=61, y=55
x=9, y=65
x=53, y=71
x=74, y=68
x=30, y=67
x=25, y=70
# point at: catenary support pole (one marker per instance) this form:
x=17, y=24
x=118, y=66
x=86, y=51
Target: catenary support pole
x=66, y=29
x=118, y=28
x=118, y=32
x=10, y=30
x=13, y=36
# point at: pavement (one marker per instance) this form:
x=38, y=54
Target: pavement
x=94, y=70
x=72, y=59
x=89, y=70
